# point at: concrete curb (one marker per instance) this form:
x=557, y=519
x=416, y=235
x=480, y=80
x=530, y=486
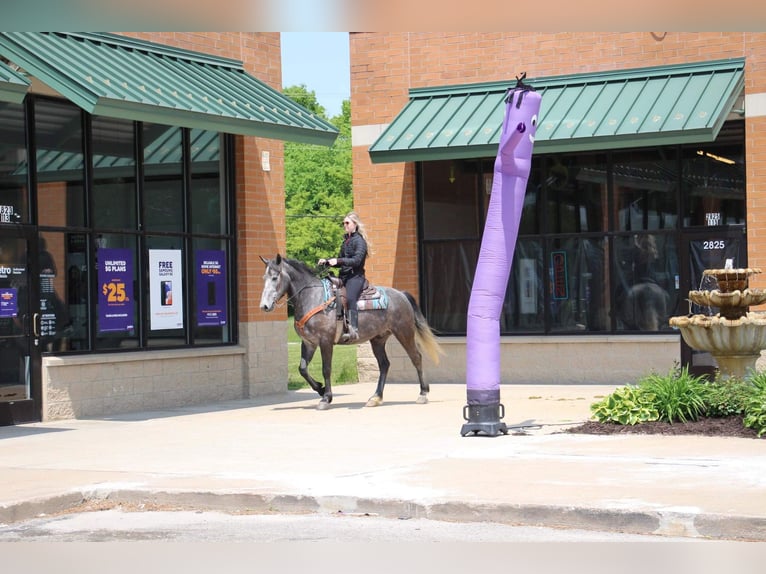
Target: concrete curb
x=675, y=524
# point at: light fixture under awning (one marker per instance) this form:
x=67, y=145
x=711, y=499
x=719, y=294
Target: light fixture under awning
x=685, y=103
x=13, y=86
x=121, y=77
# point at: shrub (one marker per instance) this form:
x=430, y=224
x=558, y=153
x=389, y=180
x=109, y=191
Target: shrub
x=758, y=380
x=755, y=413
x=728, y=398
x=678, y=396
x=627, y=405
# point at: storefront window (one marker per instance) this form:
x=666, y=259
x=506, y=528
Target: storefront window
x=166, y=291
x=60, y=176
x=646, y=288
x=524, y=307
x=208, y=209
x=118, y=289
x=646, y=187
x=576, y=191
x=714, y=184
x=14, y=207
x=163, y=178
x=599, y=238
x=114, y=174
x=210, y=292
x=451, y=201
x=149, y=264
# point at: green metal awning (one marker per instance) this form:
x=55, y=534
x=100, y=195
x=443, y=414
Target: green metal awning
x=13, y=86
x=120, y=77
x=666, y=105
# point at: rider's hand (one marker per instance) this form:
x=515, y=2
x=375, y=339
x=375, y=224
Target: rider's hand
x=322, y=262
x=333, y=262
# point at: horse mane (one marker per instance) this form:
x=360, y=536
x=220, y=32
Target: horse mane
x=301, y=266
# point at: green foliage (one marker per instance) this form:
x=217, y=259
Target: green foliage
x=318, y=186
x=627, y=405
x=755, y=412
x=757, y=380
x=678, y=396
x=726, y=398
x=307, y=98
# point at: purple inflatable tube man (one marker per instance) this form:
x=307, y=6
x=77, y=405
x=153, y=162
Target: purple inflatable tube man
x=512, y=166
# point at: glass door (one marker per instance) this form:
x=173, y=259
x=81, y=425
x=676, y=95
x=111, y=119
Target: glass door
x=706, y=249
x=20, y=386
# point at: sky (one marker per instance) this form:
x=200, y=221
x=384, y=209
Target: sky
x=320, y=61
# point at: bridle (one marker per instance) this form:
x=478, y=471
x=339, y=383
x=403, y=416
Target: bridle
x=278, y=289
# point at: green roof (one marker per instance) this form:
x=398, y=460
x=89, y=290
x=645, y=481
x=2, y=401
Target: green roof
x=665, y=105
x=13, y=86
x=120, y=77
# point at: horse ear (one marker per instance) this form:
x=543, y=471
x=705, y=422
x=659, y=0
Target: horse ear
x=265, y=261
x=278, y=259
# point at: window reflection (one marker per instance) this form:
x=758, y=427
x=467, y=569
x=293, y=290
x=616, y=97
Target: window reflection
x=208, y=213
x=14, y=207
x=714, y=184
x=164, y=205
x=114, y=174
x=60, y=165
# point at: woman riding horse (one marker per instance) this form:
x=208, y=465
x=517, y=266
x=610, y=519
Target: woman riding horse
x=353, y=254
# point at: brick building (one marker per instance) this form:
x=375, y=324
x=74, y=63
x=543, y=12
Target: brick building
x=141, y=176
x=647, y=169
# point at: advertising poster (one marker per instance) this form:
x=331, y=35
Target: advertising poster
x=211, y=288
x=9, y=306
x=115, y=293
x=166, y=289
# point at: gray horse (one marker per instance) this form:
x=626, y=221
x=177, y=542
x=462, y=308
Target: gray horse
x=316, y=322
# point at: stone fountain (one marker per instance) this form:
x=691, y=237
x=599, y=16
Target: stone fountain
x=734, y=336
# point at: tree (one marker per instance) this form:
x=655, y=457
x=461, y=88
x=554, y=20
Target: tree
x=318, y=186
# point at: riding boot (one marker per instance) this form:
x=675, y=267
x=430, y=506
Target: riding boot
x=353, y=324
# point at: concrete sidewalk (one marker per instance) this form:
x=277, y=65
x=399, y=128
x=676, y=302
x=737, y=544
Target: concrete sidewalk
x=400, y=460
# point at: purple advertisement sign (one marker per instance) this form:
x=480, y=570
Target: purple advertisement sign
x=9, y=306
x=115, y=294
x=211, y=288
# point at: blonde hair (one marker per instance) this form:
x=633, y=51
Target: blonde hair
x=360, y=229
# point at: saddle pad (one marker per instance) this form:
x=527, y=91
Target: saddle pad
x=380, y=301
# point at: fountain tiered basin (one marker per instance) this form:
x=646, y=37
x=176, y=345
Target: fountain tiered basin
x=734, y=336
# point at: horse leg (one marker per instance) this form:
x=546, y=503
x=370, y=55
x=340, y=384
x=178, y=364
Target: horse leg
x=378, y=345
x=407, y=340
x=307, y=353
x=326, y=350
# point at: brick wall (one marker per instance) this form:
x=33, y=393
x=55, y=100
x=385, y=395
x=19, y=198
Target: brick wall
x=385, y=66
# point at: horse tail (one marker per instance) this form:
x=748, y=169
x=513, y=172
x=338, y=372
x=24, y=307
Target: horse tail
x=424, y=336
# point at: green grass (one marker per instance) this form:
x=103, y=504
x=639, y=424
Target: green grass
x=343, y=362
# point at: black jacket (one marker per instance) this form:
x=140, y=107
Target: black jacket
x=353, y=253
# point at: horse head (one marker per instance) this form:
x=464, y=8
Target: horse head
x=275, y=282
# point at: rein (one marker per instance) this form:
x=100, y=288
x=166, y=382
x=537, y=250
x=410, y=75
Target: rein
x=300, y=324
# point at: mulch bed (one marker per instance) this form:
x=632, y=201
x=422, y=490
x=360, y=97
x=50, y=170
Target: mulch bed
x=725, y=427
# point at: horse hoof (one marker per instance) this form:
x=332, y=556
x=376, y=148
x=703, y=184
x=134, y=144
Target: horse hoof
x=374, y=401
x=422, y=400
x=323, y=406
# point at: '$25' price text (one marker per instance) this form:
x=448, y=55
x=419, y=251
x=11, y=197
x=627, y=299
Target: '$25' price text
x=115, y=292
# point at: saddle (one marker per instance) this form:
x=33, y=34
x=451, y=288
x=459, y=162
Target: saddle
x=370, y=298
x=369, y=292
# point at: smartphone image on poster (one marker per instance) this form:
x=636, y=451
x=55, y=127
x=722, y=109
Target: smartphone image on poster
x=211, y=293
x=166, y=291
